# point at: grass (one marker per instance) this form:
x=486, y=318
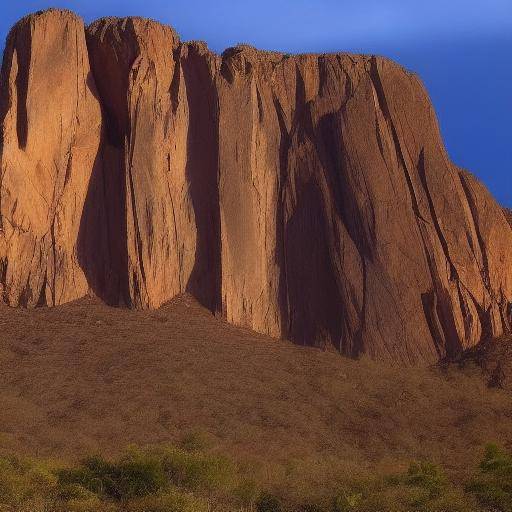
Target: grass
x=169, y=478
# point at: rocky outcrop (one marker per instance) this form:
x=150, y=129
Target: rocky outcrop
x=508, y=215
x=134, y=66
x=307, y=197
x=50, y=136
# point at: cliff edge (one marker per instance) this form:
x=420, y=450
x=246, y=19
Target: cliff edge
x=308, y=197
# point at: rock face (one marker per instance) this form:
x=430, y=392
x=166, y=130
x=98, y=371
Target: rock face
x=508, y=215
x=307, y=197
x=50, y=136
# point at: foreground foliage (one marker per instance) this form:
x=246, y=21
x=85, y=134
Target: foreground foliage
x=194, y=478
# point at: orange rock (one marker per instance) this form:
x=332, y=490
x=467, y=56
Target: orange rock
x=158, y=97
x=307, y=197
x=508, y=215
x=50, y=132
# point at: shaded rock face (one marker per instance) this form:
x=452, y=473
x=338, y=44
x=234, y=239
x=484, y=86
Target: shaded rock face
x=306, y=197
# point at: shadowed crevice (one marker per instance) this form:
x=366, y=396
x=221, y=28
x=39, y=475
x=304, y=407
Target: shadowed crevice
x=284, y=181
x=101, y=245
x=20, y=39
x=202, y=171
x=103, y=234
x=331, y=148
x=22, y=90
x=284, y=147
x=314, y=299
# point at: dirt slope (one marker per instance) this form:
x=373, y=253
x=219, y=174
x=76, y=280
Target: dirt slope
x=85, y=377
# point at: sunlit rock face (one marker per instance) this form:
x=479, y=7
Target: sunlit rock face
x=50, y=139
x=307, y=197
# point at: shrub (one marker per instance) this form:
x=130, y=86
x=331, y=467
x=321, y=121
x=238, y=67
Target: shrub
x=197, y=471
x=171, y=501
x=493, y=486
x=268, y=503
x=347, y=501
x=426, y=475
x=425, y=488
x=24, y=480
x=186, y=479
x=311, y=507
x=135, y=475
x=418, y=488
x=246, y=492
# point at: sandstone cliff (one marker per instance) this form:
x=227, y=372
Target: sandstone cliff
x=508, y=215
x=308, y=197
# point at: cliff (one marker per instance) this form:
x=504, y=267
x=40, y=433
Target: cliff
x=308, y=197
x=508, y=215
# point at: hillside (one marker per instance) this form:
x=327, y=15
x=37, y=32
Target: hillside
x=85, y=377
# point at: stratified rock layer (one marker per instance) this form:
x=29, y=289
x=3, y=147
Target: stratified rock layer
x=307, y=197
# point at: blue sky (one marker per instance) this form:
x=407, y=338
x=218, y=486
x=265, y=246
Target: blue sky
x=461, y=49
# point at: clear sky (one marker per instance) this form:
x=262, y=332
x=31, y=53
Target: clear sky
x=462, y=49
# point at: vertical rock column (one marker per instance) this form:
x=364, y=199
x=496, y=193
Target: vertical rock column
x=249, y=138
x=144, y=98
x=50, y=135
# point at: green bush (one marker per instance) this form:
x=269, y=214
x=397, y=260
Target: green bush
x=24, y=480
x=135, y=475
x=171, y=501
x=419, y=488
x=422, y=488
x=493, y=486
x=427, y=476
x=197, y=471
x=143, y=473
x=347, y=501
x=190, y=479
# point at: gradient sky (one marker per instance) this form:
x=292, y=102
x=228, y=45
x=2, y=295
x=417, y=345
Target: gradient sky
x=462, y=49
